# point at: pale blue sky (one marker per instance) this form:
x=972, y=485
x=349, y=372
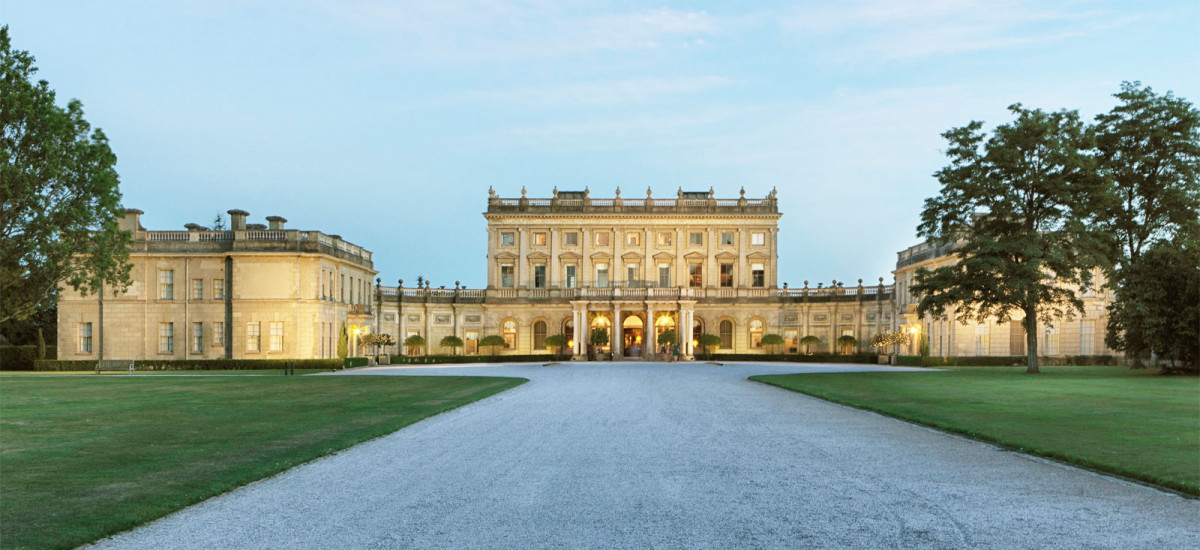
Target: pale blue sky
x=386, y=122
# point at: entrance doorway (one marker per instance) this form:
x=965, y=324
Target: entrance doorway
x=632, y=329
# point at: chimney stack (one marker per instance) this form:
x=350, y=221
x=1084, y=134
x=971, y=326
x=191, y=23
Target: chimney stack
x=276, y=222
x=194, y=227
x=132, y=221
x=237, y=219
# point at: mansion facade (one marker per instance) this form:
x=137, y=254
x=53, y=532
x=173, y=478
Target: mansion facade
x=631, y=269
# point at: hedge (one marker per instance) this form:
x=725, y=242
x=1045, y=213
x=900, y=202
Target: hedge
x=22, y=357
x=869, y=358
x=194, y=364
x=352, y=362
x=440, y=359
x=1003, y=360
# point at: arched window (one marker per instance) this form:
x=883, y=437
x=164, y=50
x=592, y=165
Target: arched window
x=697, y=330
x=539, y=334
x=509, y=331
x=568, y=330
x=756, y=333
x=726, y=334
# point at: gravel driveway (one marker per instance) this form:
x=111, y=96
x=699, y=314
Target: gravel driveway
x=650, y=455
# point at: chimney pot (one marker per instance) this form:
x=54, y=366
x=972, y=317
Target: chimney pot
x=276, y=222
x=237, y=219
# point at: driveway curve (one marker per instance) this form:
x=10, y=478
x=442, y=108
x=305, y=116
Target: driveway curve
x=652, y=455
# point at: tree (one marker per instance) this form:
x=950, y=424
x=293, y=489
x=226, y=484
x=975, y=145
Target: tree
x=1015, y=206
x=219, y=223
x=667, y=337
x=809, y=341
x=599, y=337
x=343, y=343
x=708, y=342
x=494, y=341
x=376, y=341
x=772, y=340
x=453, y=342
x=883, y=340
x=59, y=196
x=556, y=342
x=1160, y=295
x=1148, y=151
x=414, y=343
x=846, y=343
x=41, y=345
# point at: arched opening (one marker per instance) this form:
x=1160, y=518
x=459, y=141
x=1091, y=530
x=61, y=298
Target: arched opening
x=726, y=329
x=663, y=324
x=601, y=323
x=539, y=335
x=756, y=333
x=568, y=330
x=697, y=330
x=631, y=333
x=509, y=332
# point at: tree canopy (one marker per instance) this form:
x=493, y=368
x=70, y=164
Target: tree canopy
x=59, y=196
x=1015, y=206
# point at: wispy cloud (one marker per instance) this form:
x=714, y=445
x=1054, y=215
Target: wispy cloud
x=900, y=30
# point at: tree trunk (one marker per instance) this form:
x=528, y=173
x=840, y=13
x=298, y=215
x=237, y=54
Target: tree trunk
x=1031, y=339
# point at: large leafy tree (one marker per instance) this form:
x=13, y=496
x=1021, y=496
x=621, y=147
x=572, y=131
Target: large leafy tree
x=59, y=200
x=1148, y=151
x=1160, y=295
x=1016, y=205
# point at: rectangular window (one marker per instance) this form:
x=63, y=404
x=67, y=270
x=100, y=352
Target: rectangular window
x=696, y=239
x=198, y=337
x=197, y=289
x=253, y=337
x=631, y=274
x=982, y=339
x=342, y=288
x=633, y=239
x=664, y=275
x=695, y=275
x=1087, y=337
x=539, y=239
x=218, y=289
x=166, y=284
x=218, y=333
x=758, y=276
x=322, y=296
x=166, y=337
x=85, y=337
x=726, y=239
x=276, y=335
x=506, y=276
x=602, y=276
x=539, y=276
x=571, y=238
x=1052, y=340
x=570, y=278
x=508, y=238
x=758, y=239
x=602, y=238
x=726, y=275
x=665, y=239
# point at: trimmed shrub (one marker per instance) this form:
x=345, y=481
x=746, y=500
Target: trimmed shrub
x=440, y=359
x=868, y=358
x=22, y=357
x=908, y=361
x=352, y=362
x=194, y=364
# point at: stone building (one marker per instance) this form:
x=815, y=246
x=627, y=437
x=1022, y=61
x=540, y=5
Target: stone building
x=633, y=269
x=252, y=291
x=1083, y=335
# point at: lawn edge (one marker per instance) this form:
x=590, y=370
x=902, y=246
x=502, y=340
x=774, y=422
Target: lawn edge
x=1083, y=464
x=92, y=543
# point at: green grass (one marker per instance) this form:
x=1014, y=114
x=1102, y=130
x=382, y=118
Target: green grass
x=1136, y=424
x=82, y=458
x=259, y=372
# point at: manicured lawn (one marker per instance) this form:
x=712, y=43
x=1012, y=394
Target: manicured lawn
x=258, y=372
x=1133, y=423
x=86, y=457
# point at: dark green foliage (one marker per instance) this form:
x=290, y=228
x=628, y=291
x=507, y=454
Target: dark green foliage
x=599, y=337
x=414, y=342
x=354, y=362
x=197, y=364
x=846, y=342
x=866, y=358
x=343, y=343
x=771, y=342
x=59, y=196
x=1004, y=361
x=667, y=337
x=22, y=357
x=1160, y=296
x=440, y=359
x=41, y=345
x=493, y=341
x=453, y=342
x=557, y=343
x=809, y=341
x=710, y=342
x=1016, y=205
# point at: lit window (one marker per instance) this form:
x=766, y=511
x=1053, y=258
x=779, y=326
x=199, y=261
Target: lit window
x=197, y=337
x=506, y=276
x=508, y=238
x=727, y=275
x=571, y=238
x=695, y=275
x=219, y=289
x=510, y=334
x=633, y=239
x=756, y=333
x=85, y=337
x=166, y=285
x=758, y=275
x=539, y=239
x=166, y=337
x=602, y=238
x=758, y=239
x=664, y=239
x=218, y=333
x=197, y=289
x=253, y=337
x=276, y=335
x=726, y=239
x=696, y=239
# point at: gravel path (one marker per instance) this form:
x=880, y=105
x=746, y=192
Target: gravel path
x=628, y=455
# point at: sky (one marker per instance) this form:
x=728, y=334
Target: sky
x=387, y=122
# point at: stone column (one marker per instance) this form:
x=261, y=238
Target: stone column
x=554, y=278
x=522, y=273
x=615, y=333
x=649, y=338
